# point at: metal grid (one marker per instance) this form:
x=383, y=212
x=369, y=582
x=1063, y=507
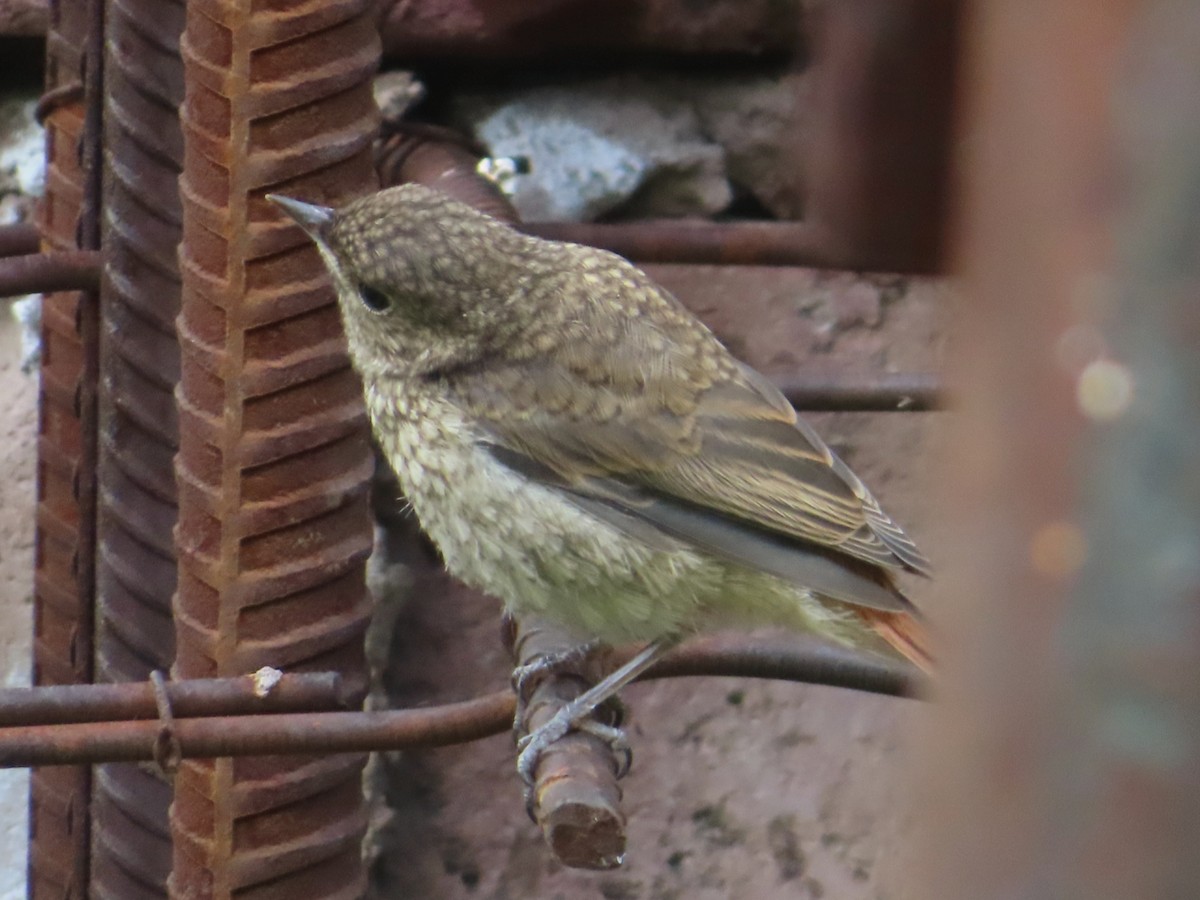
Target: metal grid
x=257, y=85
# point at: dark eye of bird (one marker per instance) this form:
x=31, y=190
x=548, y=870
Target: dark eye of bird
x=374, y=298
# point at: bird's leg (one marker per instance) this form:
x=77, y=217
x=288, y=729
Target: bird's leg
x=574, y=714
x=525, y=678
x=549, y=663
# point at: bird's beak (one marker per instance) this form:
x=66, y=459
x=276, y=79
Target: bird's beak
x=312, y=218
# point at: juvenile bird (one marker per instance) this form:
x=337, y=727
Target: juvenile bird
x=580, y=446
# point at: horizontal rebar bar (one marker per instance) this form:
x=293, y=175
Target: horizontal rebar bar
x=339, y=732
x=20, y=239
x=63, y=270
x=873, y=392
x=265, y=692
x=698, y=241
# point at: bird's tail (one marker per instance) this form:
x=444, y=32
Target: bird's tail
x=905, y=633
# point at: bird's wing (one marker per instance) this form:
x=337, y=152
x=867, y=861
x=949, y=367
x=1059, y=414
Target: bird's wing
x=687, y=442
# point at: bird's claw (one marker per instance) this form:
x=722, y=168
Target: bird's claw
x=550, y=663
x=531, y=747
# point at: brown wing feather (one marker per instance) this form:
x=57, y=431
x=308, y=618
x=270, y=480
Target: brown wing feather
x=652, y=417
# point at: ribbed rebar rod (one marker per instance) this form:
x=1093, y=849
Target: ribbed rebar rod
x=64, y=538
x=139, y=366
x=274, y=458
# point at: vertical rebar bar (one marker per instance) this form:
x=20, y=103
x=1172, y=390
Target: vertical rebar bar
x=139, y=368
x=1073, y=760
x=274, y=459
x=65, y=532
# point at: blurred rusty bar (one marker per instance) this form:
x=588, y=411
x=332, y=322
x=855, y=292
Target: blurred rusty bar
x=878, y=168
x=64, y=537
x=1073, y=751
x=274, y=460
x=24, y=17
x=296, y=692
x=790, y=658
x=20, y=239
x=443, y=159
x=440, y=30
x=251, y=733
x=721, y=243
x=63, y=270
x=139, y=368
x=876, y=392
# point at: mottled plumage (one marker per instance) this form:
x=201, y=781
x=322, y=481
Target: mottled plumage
x=578, y=444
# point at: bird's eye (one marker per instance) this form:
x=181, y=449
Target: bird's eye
x=374, y=298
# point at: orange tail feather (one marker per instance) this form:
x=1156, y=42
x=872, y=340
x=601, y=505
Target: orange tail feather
x=904, y=633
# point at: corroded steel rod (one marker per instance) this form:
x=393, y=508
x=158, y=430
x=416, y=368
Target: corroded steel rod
x=274, y=455
x=66, y=704
x=20, y=239
x=60, y=814
x=787, y=659
x=139, y=366
x=60, y=270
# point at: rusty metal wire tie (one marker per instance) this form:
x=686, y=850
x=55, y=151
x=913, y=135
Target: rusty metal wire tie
x=53, y=99
x=64, y=270
x=336, y=732
x=166, y=749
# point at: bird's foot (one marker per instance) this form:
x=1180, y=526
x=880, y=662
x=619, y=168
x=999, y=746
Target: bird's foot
x=575, y=715
x=525, y=678
x=572, y=717
x=550, y=663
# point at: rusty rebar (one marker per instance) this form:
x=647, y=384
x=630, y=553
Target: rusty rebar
x=283, y=734
x=873, y=392
x=64, y=538
x=61, y=270
x=19, y=239
x=877, y=167
x=463, y=30
x=271, y=691
x=440, y=158
x=1072, y=740
x=784, y=658
x=700, y=241
x=139, y=365
x=274, y=459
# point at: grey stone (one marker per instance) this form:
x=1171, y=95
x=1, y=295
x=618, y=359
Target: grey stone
x=644, y=146
x=595, y=146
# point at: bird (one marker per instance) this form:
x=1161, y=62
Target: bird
x=579, y=445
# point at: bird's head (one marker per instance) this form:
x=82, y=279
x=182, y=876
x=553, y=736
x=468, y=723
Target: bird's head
x=424, y=282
